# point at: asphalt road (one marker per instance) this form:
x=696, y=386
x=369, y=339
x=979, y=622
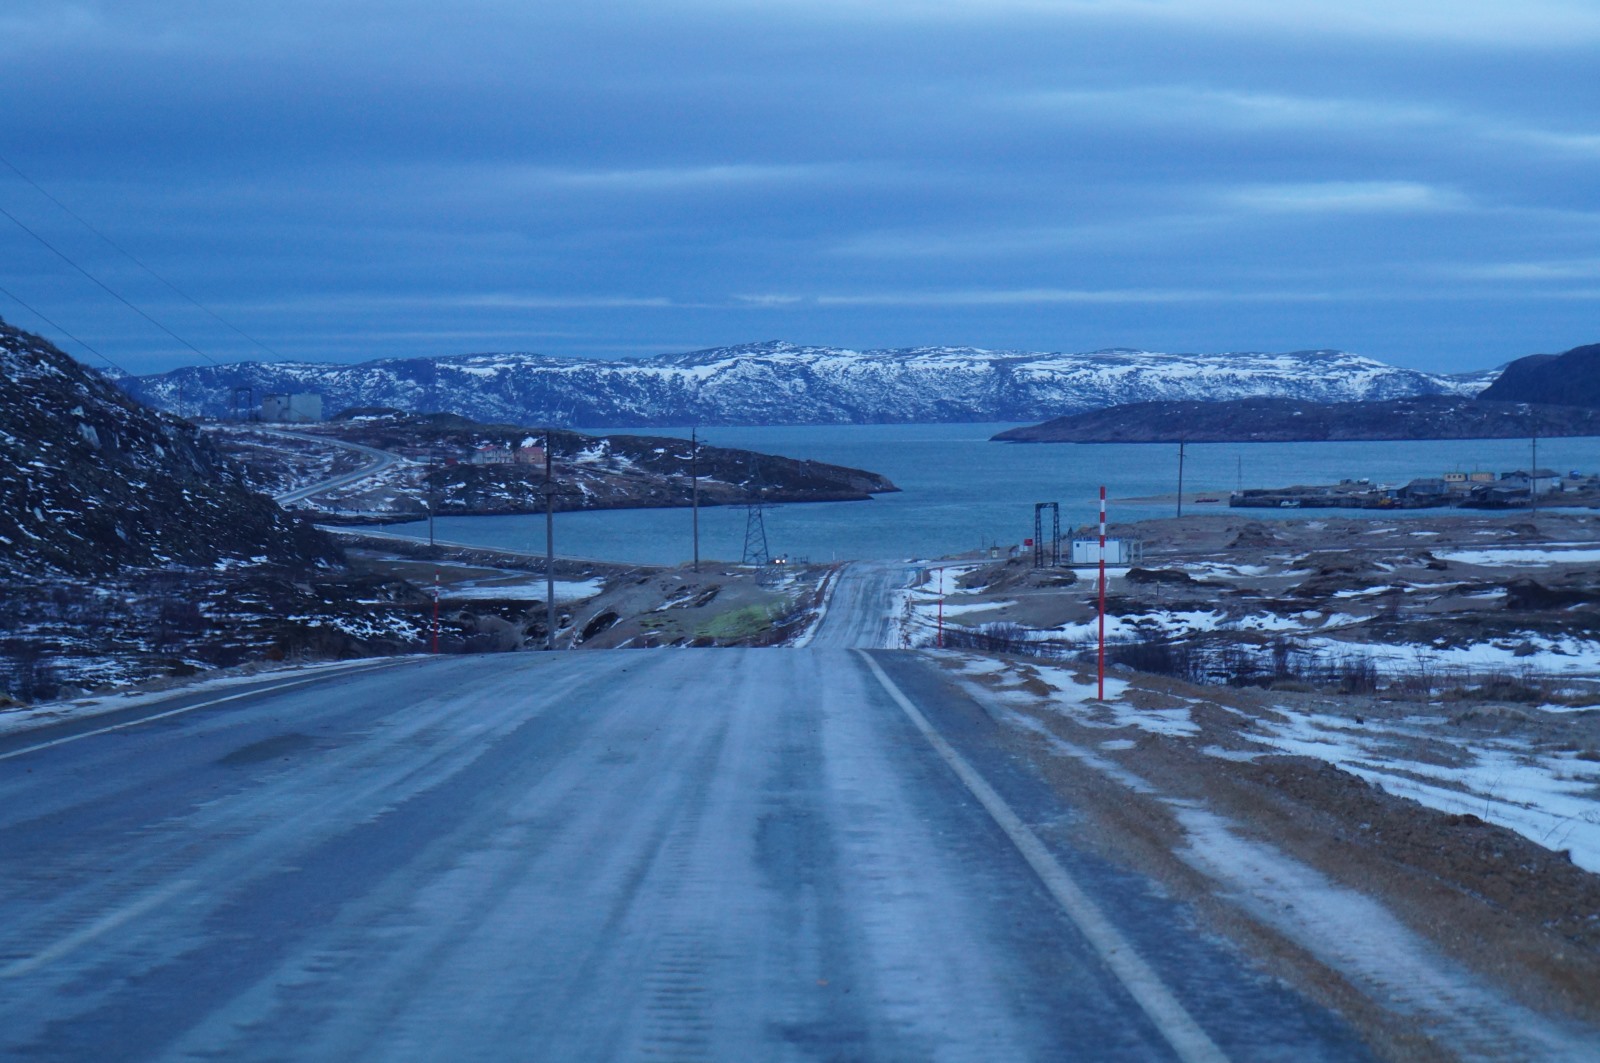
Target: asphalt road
x=381, y=460
x=860, y=606
x=809, y=854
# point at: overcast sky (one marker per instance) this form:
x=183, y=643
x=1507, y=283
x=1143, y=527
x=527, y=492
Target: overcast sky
x=1415, y=180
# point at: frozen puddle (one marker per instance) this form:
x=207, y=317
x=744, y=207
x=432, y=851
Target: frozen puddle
x=531, y=590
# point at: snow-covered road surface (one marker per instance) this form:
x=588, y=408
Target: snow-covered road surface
x=718, y=854
x=381, y=460
x=859, y=609
x=675, y=854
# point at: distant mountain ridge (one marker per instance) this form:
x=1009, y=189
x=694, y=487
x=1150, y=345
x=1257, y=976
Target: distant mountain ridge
x=1290, y=420
x=785, y=383
x=1572, y=378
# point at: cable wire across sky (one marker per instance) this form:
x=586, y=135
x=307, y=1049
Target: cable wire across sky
x=131, y=257
x=42, y=317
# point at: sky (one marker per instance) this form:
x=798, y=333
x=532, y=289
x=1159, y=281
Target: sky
x=1414, y=180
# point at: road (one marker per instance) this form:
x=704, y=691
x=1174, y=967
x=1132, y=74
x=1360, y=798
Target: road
x=740, y=855
x=381, y=460
x=860, y=610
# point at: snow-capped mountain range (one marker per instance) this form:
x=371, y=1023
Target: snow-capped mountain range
x=784, y=383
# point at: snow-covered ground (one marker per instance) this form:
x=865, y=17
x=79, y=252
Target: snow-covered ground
x=1553, y=554
x=1551, y=797
x=51, y=712
x=528, y=589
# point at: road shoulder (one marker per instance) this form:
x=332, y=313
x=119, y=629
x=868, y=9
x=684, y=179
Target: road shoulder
x=1404, y=918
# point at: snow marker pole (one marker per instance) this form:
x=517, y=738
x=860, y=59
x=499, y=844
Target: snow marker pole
x=435, y=610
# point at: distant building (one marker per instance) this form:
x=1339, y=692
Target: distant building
x=531, y=452
x=291, y=409
x=1544, y=480
x=1480, y=477
x=492, y=454
x=1454, y=478
x=1424, y=489
x=1118, y=551
x=1503, y=494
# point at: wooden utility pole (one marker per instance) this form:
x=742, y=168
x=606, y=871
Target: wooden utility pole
x=1533, y=469
x=430, y=494
x=1101, y=669
x=1180, y=477
x=694, y=497
x=549, y=546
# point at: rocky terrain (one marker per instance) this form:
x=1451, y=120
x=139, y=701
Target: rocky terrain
x=436, y=469
x=1573, y=378
x=783, y=383
x=130, y=547
x=1267, y=420
x=1435, y=854
x=91, y=482
x=1367, y=750
x=1334, y=602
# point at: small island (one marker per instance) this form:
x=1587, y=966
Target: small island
x=1264, y=420
x=453, y=466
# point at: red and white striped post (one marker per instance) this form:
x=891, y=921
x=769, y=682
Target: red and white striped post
x=1102, y=664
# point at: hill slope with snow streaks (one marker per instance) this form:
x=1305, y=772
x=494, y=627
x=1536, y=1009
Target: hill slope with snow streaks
x=783, y=383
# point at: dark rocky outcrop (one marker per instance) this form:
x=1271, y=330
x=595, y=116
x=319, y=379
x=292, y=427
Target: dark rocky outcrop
x=1290, y=420
x=1572, y=378
x=91, y=482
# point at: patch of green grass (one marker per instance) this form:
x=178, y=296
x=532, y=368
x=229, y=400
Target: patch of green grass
x=743, y=623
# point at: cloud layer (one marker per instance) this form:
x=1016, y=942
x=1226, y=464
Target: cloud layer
x=1409, y=179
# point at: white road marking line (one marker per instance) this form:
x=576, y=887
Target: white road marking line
x=191, y=708
x=93, y=930
x=1187, y=1039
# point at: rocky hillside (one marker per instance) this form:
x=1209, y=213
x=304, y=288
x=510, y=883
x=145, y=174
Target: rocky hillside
x=589, y=472
x=1573, y=378
x=782, y=383
x=91, y=482
x=1290, y=420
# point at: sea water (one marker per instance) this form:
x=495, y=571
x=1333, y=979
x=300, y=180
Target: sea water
x=961, y=492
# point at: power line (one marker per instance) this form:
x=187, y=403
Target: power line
x=64, y=332
x=131, y=257
x=109, y=290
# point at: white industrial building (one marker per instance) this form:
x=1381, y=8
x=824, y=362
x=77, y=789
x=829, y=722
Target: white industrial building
x=294, y=409
x=1118, y=551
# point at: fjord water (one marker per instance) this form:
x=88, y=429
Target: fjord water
x=960, y=492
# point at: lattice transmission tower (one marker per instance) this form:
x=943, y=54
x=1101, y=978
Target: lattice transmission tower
x=755, y=535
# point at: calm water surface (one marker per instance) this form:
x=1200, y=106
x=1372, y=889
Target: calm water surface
x=959, y=491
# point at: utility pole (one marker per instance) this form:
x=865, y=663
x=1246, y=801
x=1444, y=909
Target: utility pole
x=1533, y=469
x=549, y=545
x=1101, y=669
x=1180, y=477
x=433, y=501
x=694, y=480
